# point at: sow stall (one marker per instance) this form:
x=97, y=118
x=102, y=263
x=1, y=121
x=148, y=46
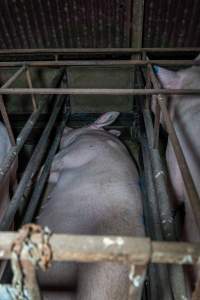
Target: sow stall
x=158, y=255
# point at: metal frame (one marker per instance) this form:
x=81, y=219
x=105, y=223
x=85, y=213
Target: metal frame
x=134, y=251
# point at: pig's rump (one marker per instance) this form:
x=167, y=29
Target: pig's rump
x=97, y=192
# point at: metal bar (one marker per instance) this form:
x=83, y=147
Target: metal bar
x=93, y=91
x=157, y=273
x=97, y=50
x=125, y=63
x=40, y=184
x=6, y=121
x=165, y=209
x=22, y=137
x=14, y=77
x=156, y=126
x=185, y=172
x=85, y=248
x=31, y=169
x=137, y=276
x=137, y=23
x=29, y=81
x=196, y=293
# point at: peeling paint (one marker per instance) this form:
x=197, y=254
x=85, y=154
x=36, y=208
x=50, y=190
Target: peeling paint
x=114, y=241
x=187, y=259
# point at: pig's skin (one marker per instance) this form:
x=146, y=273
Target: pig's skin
x=96, y=192
x=185, y=114
x=5, y=146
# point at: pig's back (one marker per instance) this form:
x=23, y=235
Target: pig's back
x=98, y=180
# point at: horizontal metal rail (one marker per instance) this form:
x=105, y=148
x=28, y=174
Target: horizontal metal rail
x=94, y=91
x=85, y=248
x=97, y=50
x=115, y=63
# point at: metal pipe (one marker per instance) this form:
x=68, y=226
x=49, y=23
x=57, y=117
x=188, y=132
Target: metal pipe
x=166, y=216
x=14, y=77
x=77, y=91
x=40, y=184
x=185, y=172
x=96, y=50
x=31, y=169
x=22, y=137
x=29, y=81
x=159, y=274
x=6, y=121
x=85, y=248
x=122, y=63
x=156, y=126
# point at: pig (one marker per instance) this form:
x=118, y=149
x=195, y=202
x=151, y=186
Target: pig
x=184, y=111
x=9, y=182
x=96, y=192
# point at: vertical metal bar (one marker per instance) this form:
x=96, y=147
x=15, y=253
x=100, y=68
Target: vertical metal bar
x=159, y=274
x=39, y=186
x=176, y=275
x=137, y=23
x=2, y=105
x=156, y=125
x=29, y=81
x=6, y=121
x=137, y=276
x=166, y=217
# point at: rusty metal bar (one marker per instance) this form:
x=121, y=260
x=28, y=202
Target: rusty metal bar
x=156, y=126
x=165, y=209
x=122, y=63
x=6, y=121
x=96, y=50
x=157, y=272
x=2, y=105
x=185, y=172
x=40, y=184
x=137, y=23
x=29, y=81
x=137, y=277
x=17, y=200
x=85, y=248
x=22, y=137
x=14, y=77
x=93, y=91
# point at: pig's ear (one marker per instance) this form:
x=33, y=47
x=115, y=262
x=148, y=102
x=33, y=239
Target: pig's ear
x=105, y=120
x=115, y=132
x=169, y=79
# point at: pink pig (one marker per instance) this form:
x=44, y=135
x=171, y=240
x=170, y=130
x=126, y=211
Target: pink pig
x=96, y=192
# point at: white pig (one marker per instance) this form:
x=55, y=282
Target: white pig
x=9, y=180
x=97, y=193
x=185, y=114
